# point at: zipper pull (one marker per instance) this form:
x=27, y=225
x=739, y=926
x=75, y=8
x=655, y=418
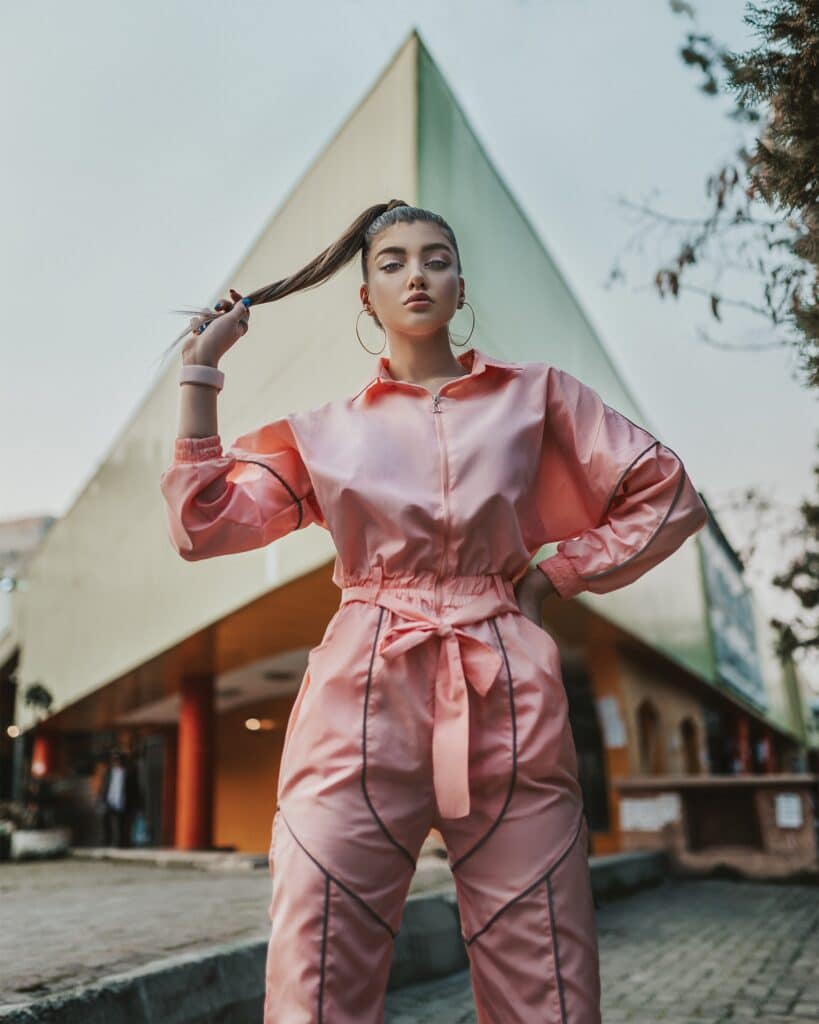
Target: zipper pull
x=436, y=398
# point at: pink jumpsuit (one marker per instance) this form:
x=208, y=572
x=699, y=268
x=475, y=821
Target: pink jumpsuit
x=432, y=700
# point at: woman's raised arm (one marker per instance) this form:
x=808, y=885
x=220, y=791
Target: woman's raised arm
x=219, y=502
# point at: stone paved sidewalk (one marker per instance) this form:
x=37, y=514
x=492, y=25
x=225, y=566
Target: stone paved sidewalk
x=686, y=952
x=706, y=951
x=71, y=921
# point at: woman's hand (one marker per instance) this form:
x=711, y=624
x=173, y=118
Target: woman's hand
x=230, y=321
x=530, y=591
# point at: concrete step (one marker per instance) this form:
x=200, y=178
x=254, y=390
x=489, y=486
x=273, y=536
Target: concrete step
x=224, y=984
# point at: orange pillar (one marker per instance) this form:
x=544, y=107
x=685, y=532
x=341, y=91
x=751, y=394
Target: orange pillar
x=605, y=670
x=194, y=765
x=43, y=754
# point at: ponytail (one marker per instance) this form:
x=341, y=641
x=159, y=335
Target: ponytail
x=358, y=237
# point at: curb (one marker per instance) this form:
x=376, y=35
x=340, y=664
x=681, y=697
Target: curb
x=225, y=984
x=203, y=860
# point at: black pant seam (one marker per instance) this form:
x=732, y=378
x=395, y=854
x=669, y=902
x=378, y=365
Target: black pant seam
x=456, y=864
x=555, y=952
x=529, y=888
x=323, y=946
x=338, y=882
x=390, y=837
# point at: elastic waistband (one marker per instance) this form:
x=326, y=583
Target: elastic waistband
x=428, y=586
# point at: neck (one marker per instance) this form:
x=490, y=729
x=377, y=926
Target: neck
x=416, y=360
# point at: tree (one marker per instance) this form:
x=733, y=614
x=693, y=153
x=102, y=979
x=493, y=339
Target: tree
x=38, y=697
x=764, y=223
x=802, y=579
x=765, y=198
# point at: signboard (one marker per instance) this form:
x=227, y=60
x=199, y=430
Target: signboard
x=731, y=617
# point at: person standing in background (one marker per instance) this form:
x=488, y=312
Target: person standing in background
x=120, y=796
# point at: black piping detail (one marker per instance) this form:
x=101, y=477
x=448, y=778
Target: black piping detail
x=620, y=479
x=528, y=889
x=339, y=883
x=399, y=846
x=669, y=510
x=502, y=811
x=555, y=953
x=282, y=481
x=323, y=947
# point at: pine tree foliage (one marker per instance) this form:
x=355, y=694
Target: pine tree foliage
x=782, y=75
x=763, y=223
x=802, y=579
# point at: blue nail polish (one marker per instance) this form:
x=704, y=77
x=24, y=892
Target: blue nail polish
x=218, y=305
x=246, y=301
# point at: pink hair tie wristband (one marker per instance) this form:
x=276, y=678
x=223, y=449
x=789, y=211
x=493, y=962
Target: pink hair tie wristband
x=193, y=373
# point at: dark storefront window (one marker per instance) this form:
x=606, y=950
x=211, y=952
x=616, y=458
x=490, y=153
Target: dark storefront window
x=588, y=741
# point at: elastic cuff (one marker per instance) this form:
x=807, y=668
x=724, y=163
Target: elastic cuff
x=196, y=449
x=563, y=575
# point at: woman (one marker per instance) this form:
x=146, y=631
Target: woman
x=435, y=697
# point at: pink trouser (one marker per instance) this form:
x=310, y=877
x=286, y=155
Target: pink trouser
x=431, y=703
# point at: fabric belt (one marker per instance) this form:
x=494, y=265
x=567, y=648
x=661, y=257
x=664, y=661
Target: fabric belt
x=440, y=607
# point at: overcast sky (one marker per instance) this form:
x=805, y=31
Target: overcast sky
x=140, y=163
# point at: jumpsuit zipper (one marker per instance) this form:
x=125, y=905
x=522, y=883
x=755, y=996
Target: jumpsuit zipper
x=436, y=408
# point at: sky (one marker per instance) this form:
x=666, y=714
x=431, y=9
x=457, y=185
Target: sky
x=138, y=170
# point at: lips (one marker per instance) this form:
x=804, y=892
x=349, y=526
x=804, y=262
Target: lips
x=417, y=297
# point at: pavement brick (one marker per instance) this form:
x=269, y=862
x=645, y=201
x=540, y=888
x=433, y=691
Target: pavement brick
x=710, y=951
x=686, y=951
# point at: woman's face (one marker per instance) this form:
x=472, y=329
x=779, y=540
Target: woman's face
x=407, y=258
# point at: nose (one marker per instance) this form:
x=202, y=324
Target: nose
x=416, y=278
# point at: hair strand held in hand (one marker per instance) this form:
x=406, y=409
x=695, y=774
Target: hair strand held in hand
x=357, y=238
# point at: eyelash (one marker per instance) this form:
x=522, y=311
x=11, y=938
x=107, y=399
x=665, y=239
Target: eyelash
x=395, y=263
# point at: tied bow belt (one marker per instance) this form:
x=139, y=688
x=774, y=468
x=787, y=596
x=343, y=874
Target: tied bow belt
x=463, y=658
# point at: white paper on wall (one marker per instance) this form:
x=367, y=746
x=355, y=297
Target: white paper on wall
x=611, y=722
x=788, y=807
x=649, y=814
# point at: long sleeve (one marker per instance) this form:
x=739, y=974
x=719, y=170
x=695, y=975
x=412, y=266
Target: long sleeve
x=616, y=499
x=267, y=492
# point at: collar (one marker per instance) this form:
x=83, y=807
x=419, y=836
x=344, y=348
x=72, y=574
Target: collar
x=474, y=359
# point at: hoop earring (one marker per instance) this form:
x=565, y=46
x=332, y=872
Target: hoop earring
x=460, y=344
x=361, y=343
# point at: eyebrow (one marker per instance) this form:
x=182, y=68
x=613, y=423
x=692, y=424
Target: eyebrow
x=424, y=248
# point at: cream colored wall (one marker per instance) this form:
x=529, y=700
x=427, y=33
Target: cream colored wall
x=107, y=591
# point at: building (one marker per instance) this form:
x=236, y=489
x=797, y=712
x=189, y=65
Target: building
x=196, y=665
